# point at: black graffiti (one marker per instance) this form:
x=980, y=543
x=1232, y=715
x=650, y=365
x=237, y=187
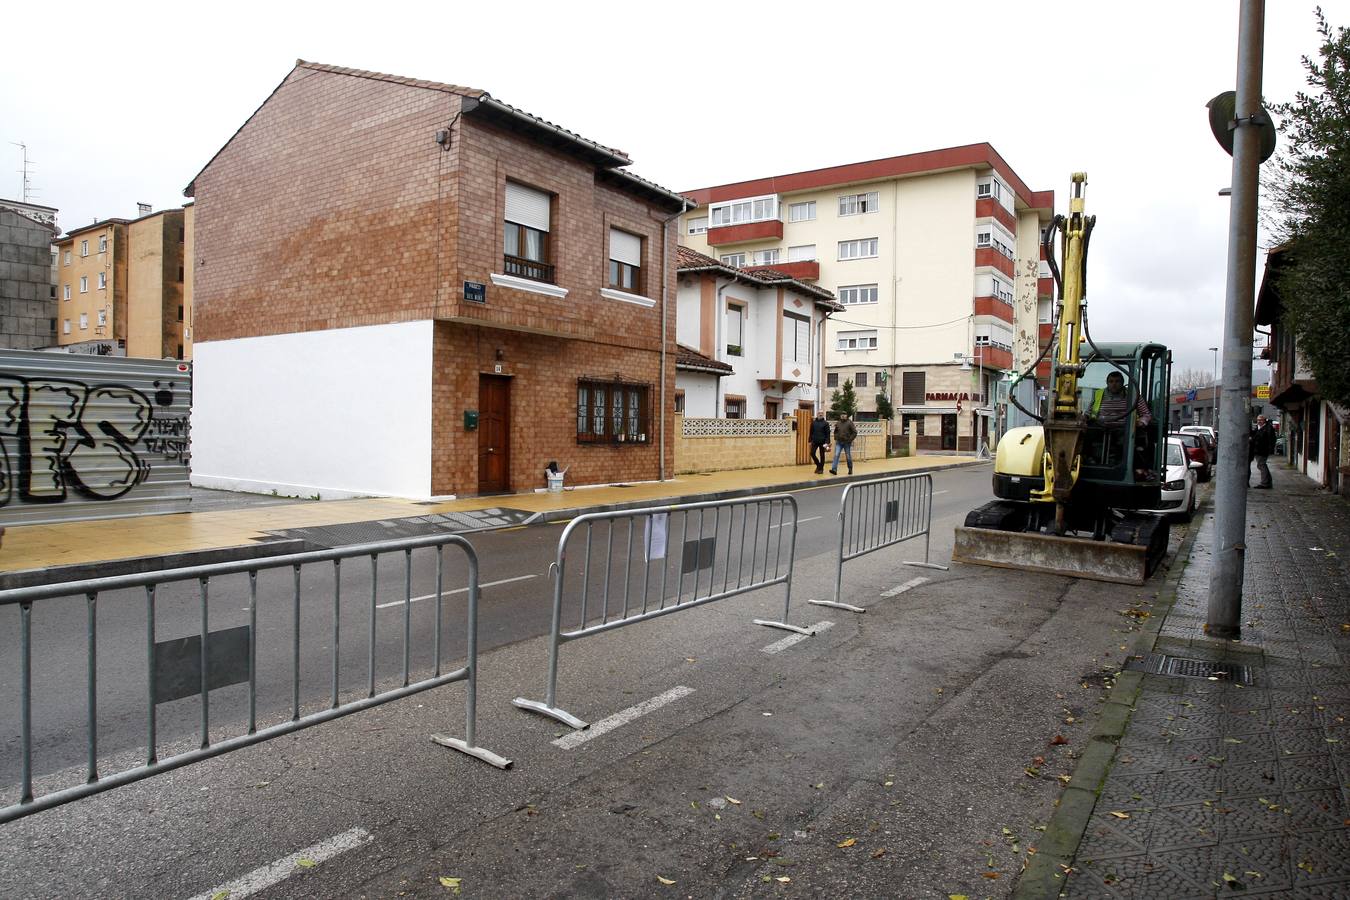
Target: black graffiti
x=71, y=436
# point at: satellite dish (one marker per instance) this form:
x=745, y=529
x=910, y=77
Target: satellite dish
x=1222, y=112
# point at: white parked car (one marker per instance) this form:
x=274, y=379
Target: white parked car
x=1178, y=490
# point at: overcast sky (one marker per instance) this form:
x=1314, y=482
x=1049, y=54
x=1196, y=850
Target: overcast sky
x=126, y=104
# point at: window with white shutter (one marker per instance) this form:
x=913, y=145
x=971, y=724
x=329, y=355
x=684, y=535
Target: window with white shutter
x=796, y=338
x=525, y=233
x=625, y=260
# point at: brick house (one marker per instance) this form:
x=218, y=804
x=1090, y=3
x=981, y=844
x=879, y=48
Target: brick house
x=411, y=288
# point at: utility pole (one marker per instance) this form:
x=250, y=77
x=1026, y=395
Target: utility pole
x=1214, y=397
x=1225, y=585
x=26, y=187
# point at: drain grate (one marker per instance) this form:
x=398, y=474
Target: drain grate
x=1181, y=667
x=348, y=533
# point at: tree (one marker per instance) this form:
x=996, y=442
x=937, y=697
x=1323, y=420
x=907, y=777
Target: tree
x=844, y=400
x=1310, y=189
x=1190, y=379
x=884, y=409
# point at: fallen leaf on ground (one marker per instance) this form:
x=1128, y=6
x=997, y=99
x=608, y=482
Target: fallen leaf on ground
x=305, y=863
x=782, y=879
x=1057, y=740
x=450, y=884
x=665, y=880
x=846, y=843
x=879, y=853
x=220, y=895
x=733, y=801
x=1120, y=815
x=991, y=875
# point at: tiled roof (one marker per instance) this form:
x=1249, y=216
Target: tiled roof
x=692, y=261
x=689, y=358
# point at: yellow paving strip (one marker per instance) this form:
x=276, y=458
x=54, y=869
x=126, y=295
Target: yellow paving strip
x=73, y=543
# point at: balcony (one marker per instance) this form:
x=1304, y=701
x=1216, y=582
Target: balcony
x=528, y=268
x=806, y=270
x=993, y=307
x=988, y=256
x=989, y=208
x=991, y=356
x=725, y=235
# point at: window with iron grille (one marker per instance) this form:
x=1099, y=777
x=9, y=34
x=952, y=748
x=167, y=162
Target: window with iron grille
x=913, y=388
x=832, y=379
x=860, y=379
x=612, y=412
x=735, y=408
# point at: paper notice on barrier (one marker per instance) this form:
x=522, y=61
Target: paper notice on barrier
x=654, y=536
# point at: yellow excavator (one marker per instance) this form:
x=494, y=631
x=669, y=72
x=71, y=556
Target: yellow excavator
x=1073, y=490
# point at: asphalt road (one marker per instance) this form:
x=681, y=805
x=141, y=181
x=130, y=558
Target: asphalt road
x=515, y=605
x=921, y=731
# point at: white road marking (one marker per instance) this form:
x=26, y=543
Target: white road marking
x=779, y=646
x=895, y=591
x=799, y=521
x=265, y=876
x=462, y=590
x=935, y=493
x=577, y=738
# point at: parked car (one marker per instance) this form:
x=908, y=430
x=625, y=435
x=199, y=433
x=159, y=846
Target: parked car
x=1178, y=490
x=1197, y=451
x=1209, y=434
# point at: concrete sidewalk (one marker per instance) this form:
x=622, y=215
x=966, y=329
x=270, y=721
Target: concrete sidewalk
x=110, y=546
x=1236, y=776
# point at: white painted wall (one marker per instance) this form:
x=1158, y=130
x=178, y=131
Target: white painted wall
x=700, y=394
x=337, y=413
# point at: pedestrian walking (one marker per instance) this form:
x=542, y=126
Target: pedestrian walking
x=1262, y=445
x=820, y=441
x=845, y=433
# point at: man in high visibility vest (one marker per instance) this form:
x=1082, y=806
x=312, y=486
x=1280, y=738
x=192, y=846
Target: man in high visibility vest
x=1110, y=411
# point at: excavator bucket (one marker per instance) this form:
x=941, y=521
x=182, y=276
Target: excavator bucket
x=1071, y=556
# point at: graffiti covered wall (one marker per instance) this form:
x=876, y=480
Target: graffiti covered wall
x=90, y=437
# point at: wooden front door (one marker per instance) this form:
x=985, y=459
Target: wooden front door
x=494, y=434
x=804, y=417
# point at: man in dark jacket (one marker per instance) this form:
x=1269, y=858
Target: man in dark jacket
x=1263, y=444
x=845, y=433
x=820, y=439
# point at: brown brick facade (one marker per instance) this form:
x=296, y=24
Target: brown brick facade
x=334, y=206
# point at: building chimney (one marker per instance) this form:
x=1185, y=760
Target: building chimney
x=142, y=209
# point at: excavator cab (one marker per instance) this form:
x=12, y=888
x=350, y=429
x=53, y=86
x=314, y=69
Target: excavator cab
x=1122, y=453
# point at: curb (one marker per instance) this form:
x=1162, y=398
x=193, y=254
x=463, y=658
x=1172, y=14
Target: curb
x=1043, y=877
x=139, y=565
x=561, y=515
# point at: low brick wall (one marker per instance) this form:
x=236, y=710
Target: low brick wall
x=721, y=445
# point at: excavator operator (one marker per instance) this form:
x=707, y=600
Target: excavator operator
x=1110, y=412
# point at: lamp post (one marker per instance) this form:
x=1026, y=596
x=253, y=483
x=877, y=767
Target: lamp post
x=1214, y=393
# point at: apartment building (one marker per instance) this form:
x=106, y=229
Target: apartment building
x=935, y=258
x=409, y=287
x=764, y=326
x=120, y=285
x=27, y=294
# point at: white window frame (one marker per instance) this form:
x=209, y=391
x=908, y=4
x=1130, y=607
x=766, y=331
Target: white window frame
x=698, y=225
x=743, y=211
x=1001, y=290
x=102, y=281
x=805, y=211
x=65, y=326
x=102, y=243
x=102, y=318
x=770, y=257
x=84, y=321
x=67, y=255
x=65, y=292
x=860, y=248
x=859, y=204
x=84, y=284
x=84, y=248
x=856, y=294
x=739, y=313
x=856, y=340
x=800, y=253
x=727, y=259
x=993, y=234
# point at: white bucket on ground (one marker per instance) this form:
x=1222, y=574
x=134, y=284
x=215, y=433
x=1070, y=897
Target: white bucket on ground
x=555, y=482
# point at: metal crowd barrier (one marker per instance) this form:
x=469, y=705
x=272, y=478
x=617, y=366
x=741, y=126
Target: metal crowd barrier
x=195, y=665
x=879, y=513
x=636, y=578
